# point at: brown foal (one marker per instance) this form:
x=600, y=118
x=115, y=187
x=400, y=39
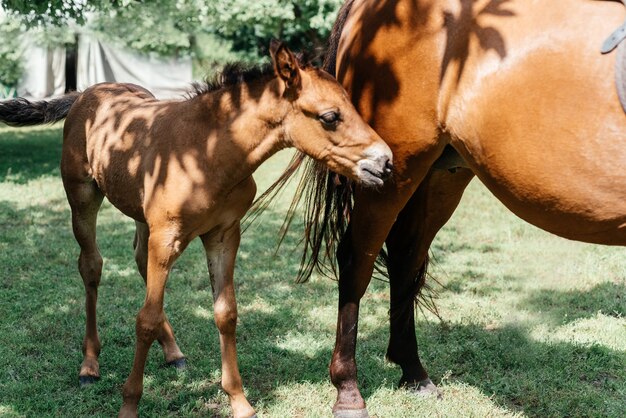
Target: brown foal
x=182, y=169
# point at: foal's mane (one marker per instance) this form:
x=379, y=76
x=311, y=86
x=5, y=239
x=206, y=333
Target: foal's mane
x=236, y=73
x=230, y=75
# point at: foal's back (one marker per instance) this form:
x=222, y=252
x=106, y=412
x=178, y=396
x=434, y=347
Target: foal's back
x=133, y=143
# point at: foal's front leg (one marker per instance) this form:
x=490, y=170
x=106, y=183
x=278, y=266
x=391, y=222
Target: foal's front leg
x=164, y=247
x=221, y=250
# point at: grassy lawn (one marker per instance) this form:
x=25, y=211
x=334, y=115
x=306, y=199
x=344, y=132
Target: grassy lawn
x=534, y=325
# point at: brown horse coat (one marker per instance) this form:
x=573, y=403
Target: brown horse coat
x=522, y=93
x=519, y=89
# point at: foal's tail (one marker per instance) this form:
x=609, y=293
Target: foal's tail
x=22, y=112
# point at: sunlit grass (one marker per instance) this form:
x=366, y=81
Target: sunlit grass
x=533, y=325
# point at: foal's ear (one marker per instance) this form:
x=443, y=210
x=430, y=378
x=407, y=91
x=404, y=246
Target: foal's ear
x=285, y=65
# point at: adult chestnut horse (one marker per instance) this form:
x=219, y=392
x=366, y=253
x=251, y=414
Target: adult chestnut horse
x=517, y=91
x=181, y=170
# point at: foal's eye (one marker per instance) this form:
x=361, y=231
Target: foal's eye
x=329, y=119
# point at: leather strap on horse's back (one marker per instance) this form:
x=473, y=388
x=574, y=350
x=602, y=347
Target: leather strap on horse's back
x=620, y=74
x=612, y=42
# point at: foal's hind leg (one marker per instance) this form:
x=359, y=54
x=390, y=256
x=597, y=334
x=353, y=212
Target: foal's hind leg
x=173, y=355
x=427, y=211
x=85, y=199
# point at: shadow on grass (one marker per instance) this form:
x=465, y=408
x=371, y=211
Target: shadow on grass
x=475, y=277
x=567, y=306
x=518, y=372
x=42, y=323
x=27, y=154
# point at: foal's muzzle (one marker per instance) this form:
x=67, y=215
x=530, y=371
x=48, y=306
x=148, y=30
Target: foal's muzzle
x=376, y=167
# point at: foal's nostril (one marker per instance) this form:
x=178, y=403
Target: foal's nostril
x=387, y=169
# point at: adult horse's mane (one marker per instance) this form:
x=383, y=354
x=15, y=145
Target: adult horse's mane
x=327, y=199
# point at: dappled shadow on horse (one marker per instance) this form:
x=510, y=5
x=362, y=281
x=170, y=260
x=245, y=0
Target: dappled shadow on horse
x=181, y=170
x=501, y=92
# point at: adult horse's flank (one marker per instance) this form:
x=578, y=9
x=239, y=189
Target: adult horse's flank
x=182, y=169
x=519, y=90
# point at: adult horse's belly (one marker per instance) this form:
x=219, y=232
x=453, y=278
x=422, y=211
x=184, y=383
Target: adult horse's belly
x=539, y=120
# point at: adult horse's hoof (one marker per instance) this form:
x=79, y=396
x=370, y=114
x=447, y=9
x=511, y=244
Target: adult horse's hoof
x=128, y=411
x=424, y=387
x=178, y=364
x=351, y=413
x=87, y=380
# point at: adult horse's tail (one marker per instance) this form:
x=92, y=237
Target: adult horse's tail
x=22, y=112
x=328, y=199
x=327, y=196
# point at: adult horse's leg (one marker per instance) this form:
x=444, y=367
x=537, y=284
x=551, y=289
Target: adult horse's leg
x=356, y=255
x=173, y=356
x=85, y=199
x=373, y=216
x=221, y=250
x=400, y=101
x=164, y=247
x=427, y=211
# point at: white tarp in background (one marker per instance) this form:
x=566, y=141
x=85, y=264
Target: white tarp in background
x=99, y=62
x=44, y=72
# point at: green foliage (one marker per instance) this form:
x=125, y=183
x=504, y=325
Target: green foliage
x=48, y=35
x=241, y=28
x=10, y=63
x=211, y=52
x=58, y=12
x=164, y=27
x=303, y=24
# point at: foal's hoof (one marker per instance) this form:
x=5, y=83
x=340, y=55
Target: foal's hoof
x=178, y=364
x=87, y=380
x=424, y=387
x=351, y=413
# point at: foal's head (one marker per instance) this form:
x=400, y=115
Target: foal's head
x=324, y=124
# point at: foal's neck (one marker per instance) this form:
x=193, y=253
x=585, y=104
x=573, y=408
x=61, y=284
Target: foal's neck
x=245, y=123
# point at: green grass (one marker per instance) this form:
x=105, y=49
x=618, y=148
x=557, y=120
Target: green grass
x=534, y=325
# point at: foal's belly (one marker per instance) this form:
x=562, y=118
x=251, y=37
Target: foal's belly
x=117, y=173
